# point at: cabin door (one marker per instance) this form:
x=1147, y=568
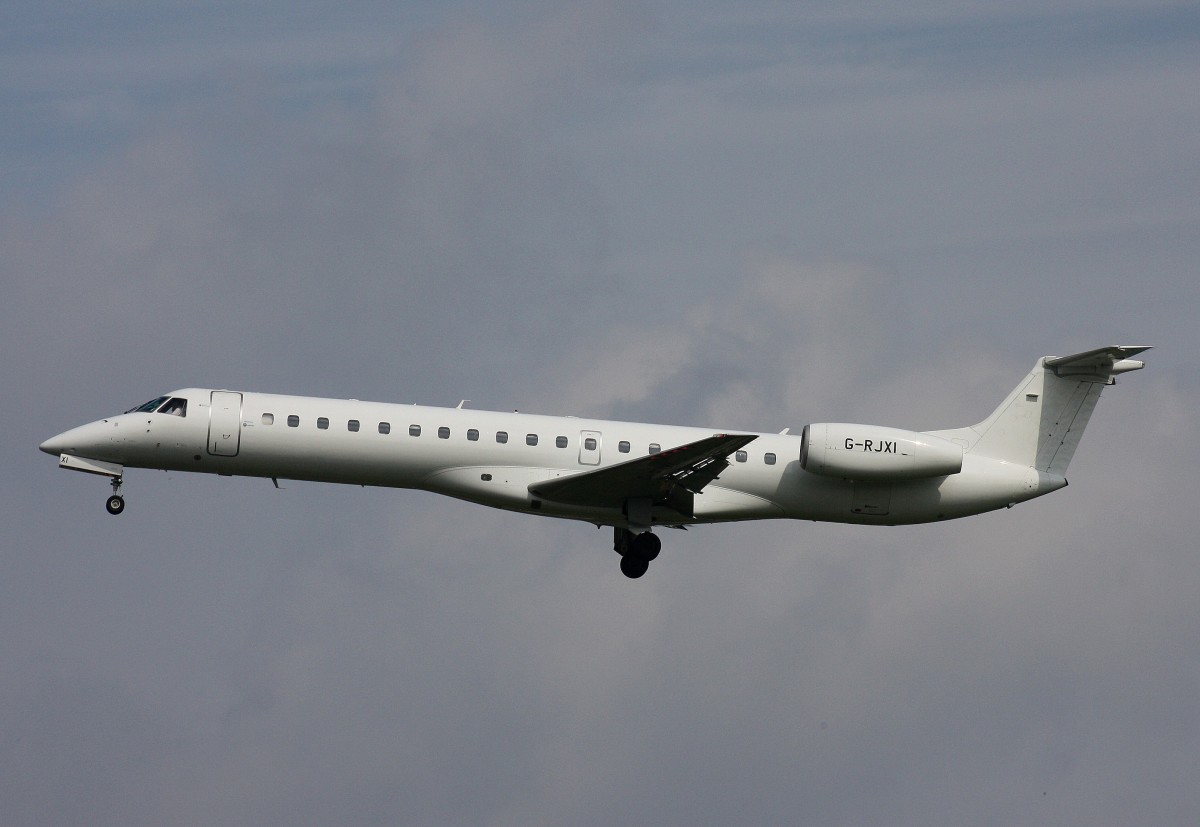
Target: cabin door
x=224, y=423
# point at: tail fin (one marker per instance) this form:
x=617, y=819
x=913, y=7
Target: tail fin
x=1041, y=421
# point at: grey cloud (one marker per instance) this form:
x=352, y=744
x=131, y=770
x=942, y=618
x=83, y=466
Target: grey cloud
x=253, y=229
x=496, y=219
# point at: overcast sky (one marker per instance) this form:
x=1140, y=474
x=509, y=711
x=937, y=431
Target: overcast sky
x=745, y=215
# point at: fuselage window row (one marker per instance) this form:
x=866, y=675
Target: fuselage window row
x=443, y=432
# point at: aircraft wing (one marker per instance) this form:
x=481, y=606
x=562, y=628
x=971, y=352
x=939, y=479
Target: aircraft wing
x=690, y=467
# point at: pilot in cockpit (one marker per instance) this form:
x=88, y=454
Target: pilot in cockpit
x=176, y=407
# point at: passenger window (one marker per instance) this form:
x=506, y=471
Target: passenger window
x=502, y=437
x=769, y=459
x=443, y=432
x=531, y=439
x=623, y=446
x=655, y=447
x=176, y=407
x=472, y=435
x=385, y=427
x=414, y=430
x=741, y=456
x=268, y=419
x=352, y=425
x=560, y=442
x=293, y=421
x=589, y=444
x=323, y=423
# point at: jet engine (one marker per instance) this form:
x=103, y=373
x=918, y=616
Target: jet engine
x=872, y=452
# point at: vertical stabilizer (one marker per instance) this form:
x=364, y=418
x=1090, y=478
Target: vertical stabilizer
x=1040, y=423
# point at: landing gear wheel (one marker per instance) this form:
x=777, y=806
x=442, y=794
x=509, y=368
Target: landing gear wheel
x=646, y=546
x=634, y=567
x=115, y=504
x=636, y=550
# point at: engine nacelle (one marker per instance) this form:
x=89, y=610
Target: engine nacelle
x=872, y=452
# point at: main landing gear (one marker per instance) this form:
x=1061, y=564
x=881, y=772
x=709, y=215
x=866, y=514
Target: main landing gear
x=116, y=503
x=637, y=551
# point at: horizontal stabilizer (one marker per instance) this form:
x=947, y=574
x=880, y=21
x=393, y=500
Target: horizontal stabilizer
x=1103, y=363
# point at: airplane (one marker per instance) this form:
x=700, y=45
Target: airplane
x=633, y=477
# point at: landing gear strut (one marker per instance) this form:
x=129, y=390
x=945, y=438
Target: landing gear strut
x=636, y=550
x=116, y=503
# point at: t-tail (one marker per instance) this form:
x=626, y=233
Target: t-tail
x=1040, y=423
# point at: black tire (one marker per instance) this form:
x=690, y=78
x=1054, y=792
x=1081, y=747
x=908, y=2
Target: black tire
x=633, y=567
x=115, y=504
x=646, y=546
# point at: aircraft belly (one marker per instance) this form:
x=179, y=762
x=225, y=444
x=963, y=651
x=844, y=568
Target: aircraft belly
x=985, y=485
x=350, y=471
x=283, y=457
x=982, y=485
x=499, y=486
x=717, y=503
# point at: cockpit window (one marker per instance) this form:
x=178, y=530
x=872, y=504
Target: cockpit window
x=176, y=407
x=152, y=405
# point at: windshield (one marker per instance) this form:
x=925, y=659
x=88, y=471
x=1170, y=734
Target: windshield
x=152, y=405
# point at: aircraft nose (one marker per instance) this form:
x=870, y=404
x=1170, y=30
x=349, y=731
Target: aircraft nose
x=55, y=445
x=86, y=440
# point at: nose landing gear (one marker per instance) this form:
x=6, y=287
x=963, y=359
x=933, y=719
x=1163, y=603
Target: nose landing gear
x=114, y=472
x=637, y=551
x=115, y=503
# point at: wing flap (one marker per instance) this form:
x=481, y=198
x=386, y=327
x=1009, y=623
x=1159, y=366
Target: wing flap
x=691, y=466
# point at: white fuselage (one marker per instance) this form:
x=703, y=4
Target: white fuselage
x=492, y=458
